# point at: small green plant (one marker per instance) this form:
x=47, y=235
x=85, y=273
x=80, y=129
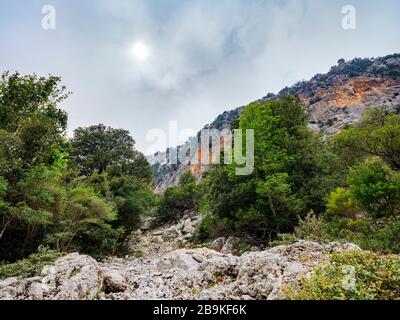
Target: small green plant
x=244, y=247
x=137, y=254
x=30, y=266
x=311, y=228
x=373, y=277
x=340, y=204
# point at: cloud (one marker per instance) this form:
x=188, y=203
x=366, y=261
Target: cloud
x=205, y=56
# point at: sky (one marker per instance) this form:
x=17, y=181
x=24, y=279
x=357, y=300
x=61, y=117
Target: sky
x=140, y=64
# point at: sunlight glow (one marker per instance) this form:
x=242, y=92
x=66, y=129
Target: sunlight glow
x=140, y=51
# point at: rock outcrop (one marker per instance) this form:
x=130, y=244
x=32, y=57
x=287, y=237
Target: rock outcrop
x=73, y=277
x=335, y=100
x=180, y=274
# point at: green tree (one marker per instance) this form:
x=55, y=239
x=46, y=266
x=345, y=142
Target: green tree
x=100, y=148
x=82, y=208
x=133, y=199
x=24, y=96
x=378, y=134
x=375, y=187
x=289, y=178
x=107, y=160
x=176, y=200
x=340, y=204
x=32, y=157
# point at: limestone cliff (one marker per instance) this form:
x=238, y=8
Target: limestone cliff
x=335, y=100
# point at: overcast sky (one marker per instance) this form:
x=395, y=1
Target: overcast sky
x=138, y=64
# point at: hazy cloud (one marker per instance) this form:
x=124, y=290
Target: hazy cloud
x=204, y=56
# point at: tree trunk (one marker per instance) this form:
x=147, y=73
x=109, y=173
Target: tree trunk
x=5, y=225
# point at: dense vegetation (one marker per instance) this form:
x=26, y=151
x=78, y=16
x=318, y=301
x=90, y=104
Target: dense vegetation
x=85, y=194
x=88, y=193
x=352, y=275
x=346, y=188
x=31, y=266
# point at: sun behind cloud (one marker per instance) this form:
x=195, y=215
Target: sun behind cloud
x=140, y=51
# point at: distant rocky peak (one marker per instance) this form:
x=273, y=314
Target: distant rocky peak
x=335, y=100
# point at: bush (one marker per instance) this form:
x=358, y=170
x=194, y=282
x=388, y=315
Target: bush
x=31, y=266
x=352, y=275
x=340, y=204
x=375, y=187
x=176, y=200
x=382, y=236
x=83, y=211
x=311, y=228
x=133, y=199
x=292, y=174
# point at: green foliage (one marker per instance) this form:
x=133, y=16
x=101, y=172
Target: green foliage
x=42, y=197
x=311, y=228
x=365, y=209
x=3, y=191
x=22, y=97
x=375, y=187
x=340, y=204
x=32, y=156
x=290, y=178
x=377, y=135
x=106, y=159
x=133, y=199
x=82, y=211
x=31, y=266
x=376, y=277
x=381, y=236
x=176, y=200
x=100, y=148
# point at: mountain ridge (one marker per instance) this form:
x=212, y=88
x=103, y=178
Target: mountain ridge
x=335, y=99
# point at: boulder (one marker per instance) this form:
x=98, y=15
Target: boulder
x=35, y=291
x=114, y=281
x=218, y=244
x=73, y=277
x=146, y=223
x=177, y=259
x=158, y=239
x=198, y=273
x=231, y=245
x=77, y=277
x=171, y=233
x=188, y=227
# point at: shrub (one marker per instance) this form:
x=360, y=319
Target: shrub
x=375, y=187
x=381, y=236
x=30, y=266
x=352, y=275
x=176, y=200
x=340, y=204
x=133, y=199
x=83, y=210
x=311, y=228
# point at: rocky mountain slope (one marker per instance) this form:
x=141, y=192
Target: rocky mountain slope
x=335, y=100
x=171, y=267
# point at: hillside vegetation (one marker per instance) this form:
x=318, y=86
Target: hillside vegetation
x=90, y=193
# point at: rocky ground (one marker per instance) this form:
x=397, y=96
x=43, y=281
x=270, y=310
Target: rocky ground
x=165, y=265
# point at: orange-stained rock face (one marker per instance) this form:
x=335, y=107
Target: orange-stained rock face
x=360, y=91
x=335, y=100
x=196, y=168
